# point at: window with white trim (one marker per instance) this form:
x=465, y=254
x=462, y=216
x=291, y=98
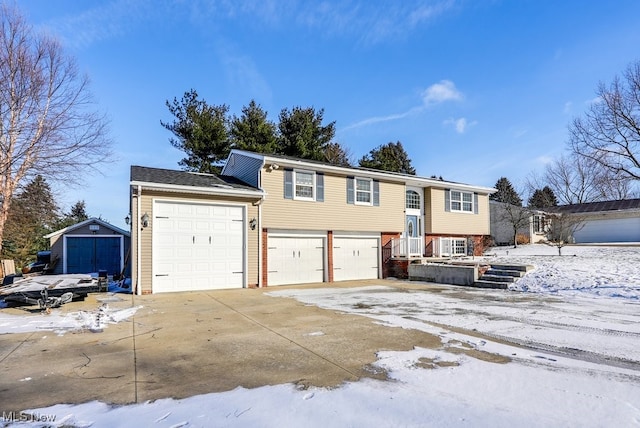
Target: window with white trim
x=412, y=200
x=304, y=185
x=538, y=224
x=461, y=201
x=364, y=191
x=450, y=247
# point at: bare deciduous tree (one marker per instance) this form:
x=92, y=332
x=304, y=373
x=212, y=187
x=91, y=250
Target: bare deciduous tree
x=48, y=124
x=516, y=217
x=609, y=132
x=577, y=179
x=561, y=227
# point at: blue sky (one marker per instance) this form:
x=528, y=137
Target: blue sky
x=474, y=90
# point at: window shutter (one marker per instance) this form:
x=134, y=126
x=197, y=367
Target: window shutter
x=350, y=190
x=447, y=200
x=475, y=203
x=319, y=187
x=288, y=184
x=376, y=193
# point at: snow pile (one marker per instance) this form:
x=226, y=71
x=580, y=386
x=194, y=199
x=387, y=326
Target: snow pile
x=59, y=322
x=581, y=270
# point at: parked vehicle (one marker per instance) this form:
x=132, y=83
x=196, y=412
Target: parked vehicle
x=43, y=259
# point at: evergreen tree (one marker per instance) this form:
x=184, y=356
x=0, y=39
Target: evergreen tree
x=201, y=131
x=76, y=215
x=542, y=198
x=389, y=157
x=253, y=131
x=506, y=193
x=335, y=154
x=301, y=133
x=33, y=214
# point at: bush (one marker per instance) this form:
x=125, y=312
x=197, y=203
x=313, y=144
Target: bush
x=522, y=239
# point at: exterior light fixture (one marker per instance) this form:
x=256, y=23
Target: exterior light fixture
x=144, y=220
x=252, y=223
x=127, y=219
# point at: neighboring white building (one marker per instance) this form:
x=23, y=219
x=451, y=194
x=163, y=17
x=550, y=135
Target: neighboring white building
x=605, y=222
x=503, y=216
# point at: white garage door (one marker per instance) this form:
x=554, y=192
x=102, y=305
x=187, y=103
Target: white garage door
x=197, y=246
x=609, y=230
x=355, y=258
x=295, y=260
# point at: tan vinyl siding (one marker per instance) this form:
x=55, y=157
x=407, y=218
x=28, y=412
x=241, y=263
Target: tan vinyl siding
x=334, y=213
x=147, y=233
x=439, y=221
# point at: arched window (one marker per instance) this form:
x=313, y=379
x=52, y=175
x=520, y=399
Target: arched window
x=412, y=200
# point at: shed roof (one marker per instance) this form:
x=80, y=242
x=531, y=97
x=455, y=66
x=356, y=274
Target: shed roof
x=92, y=220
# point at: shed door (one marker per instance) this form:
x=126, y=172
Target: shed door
x=197, y=246
x=295, y=260
x=355, y=258
x=93, y=254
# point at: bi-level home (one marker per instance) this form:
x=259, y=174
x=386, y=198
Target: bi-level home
x=271, y=220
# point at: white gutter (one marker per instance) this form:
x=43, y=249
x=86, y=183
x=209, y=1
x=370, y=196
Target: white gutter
x=138, y=240
x=260, y=264
x=203, y=190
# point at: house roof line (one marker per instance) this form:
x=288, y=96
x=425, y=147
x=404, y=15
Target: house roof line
x=92, y=220
x=626, y=205
x=178, y=188
x=367, y=172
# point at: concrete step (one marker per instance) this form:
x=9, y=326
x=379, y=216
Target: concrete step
x=491, y=284
x=497, y=278
x=501, y=272
x=520, y=268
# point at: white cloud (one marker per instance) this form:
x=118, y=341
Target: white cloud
x=567, y=107
x=461, y=125
x=445, y=90
x=596, y=100
x=544, y=160
x=378, y=119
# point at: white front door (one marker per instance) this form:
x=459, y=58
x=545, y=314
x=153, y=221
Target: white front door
x=295, y=260
x=355, y=258
x=197, y=246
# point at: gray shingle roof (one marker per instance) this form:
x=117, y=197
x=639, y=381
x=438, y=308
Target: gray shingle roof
x=185, y=178
x=592, y=207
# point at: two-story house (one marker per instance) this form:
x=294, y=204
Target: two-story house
x=273, y=220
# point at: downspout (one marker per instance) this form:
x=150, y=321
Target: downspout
x=260, y=264
x=138, y=244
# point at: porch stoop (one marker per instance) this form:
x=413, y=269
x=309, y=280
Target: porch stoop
x=501, y=276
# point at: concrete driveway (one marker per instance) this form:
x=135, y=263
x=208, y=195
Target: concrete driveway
x=183, y=344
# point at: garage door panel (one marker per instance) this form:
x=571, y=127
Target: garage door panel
x=355, y=258
x=295, y=260
x=609, y=230
x=197, y=247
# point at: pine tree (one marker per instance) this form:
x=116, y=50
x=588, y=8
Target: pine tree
x=389, y=157
x=253, y=131
x=506, y=193
x=33, y=214
x=542, y=198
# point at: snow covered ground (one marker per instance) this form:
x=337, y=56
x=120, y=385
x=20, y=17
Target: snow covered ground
x=559, y=349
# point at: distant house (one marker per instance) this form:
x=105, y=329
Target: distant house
x=605, y=222
x=90, y=246
x=530, y=223
x=273, y=220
